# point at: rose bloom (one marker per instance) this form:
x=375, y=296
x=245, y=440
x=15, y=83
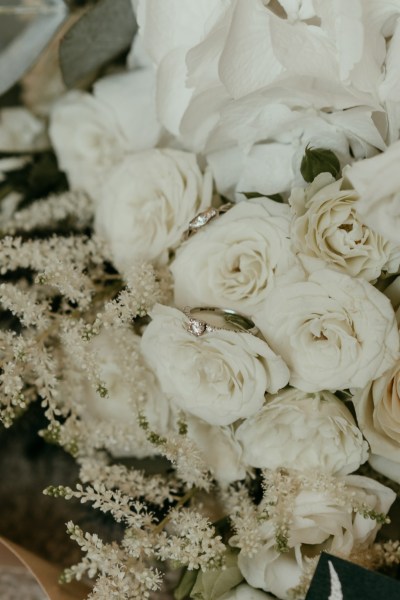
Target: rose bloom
x=303, y=431
x=220, y=450
x=92, y=132
x=326, y=231
x=117, y=356
x=235, y=259
x=219, y=377
x=319, y=521
x=245, y=592
x=21, y=131
x=147, y=202
x=378, y=414
x=377, y=181
x=333, y=331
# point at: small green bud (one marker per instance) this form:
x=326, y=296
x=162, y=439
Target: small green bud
x=319, y=160
x=182, y=427
x=102, y=390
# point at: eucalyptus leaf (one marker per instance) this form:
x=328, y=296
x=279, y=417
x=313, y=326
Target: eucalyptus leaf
x=27, y=40
x=185, y=585
x=100, y=35
x=211, y=585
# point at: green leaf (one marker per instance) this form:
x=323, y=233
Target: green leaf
x=211, y=585
x=99, y=36
x=319, y=160
x=185, y=585
x=275, y=197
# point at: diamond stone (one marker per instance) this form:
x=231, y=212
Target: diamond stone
x=202, y=219
x=196, y=327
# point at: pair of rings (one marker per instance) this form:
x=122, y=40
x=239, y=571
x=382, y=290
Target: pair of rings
x=223, y=319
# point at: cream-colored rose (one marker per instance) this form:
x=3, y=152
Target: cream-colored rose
x=130, y=387
x=378, y=414
x=326, y=231
x=245, y=592
x=333, y=331
x=377, y=182
x=237, y=258
x=147, y=202
x=303, y=431
x=319, y=521
x=221, y=452
x=92, y=132
x=219, y=377
x=21, y=131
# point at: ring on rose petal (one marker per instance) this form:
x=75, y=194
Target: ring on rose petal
x=229, y=320
x=205, y=217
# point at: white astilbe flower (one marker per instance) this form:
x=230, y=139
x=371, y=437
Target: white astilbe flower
x=73, y=205
x=184, y=455
x=191, y=541
x=25, y=305
x=120, y=577
x=156, y=489
x=107, y=385
x=245, y=518
x=28, y=370
x=145, y=287
x=59, y=262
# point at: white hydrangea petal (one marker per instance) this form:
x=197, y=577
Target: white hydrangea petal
x=248, y=61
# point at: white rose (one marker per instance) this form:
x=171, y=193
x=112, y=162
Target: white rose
x=326, y=231
x=220, y=451
x=147, y=202
x=378, y=414
x=320, y=520
x=245, y=592
x=235, y=259
x=219, y=377
x=303, y=431
x=333, y=331
x=21, y=131
x=377, y=181
x=90, y=133
x=131, y=387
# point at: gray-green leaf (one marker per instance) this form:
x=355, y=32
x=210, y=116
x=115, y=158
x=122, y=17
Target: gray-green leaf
x=211, y=585
x=99, y=36
x=185, y=585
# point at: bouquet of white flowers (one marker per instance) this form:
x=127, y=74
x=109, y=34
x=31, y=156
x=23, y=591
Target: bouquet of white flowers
x=200, y=263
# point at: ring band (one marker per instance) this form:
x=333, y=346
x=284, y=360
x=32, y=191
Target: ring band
x=205, y=217
x=235, y=321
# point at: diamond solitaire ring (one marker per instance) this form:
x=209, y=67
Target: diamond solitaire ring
x=205, y=217
x=217, y=319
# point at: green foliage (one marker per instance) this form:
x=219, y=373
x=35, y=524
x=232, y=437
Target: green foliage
x=100, y=35
x=185, y=585
x=319, y=160
x=211, y=585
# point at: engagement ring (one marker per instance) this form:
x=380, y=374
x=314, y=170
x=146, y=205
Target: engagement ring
x=217, y=319
x=205, y=217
